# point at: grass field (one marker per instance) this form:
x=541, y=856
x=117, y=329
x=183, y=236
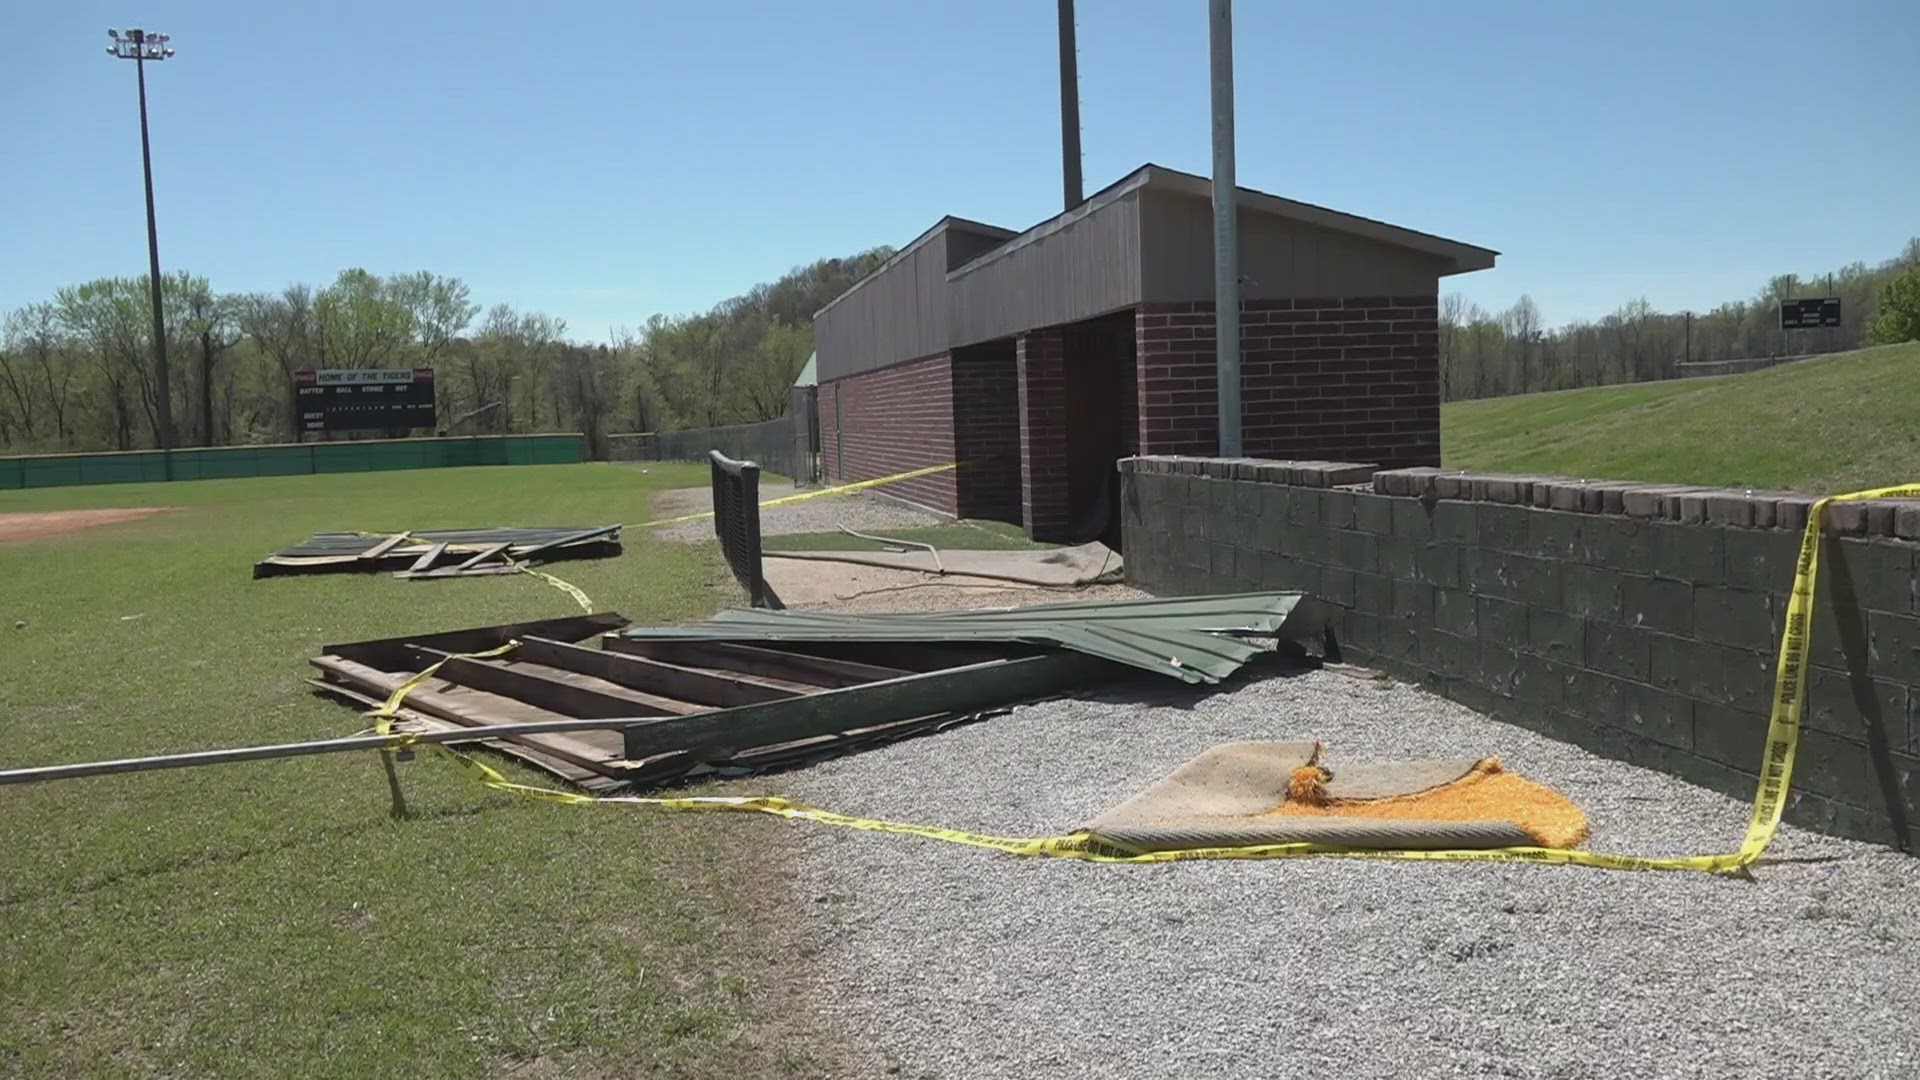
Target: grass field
x=1835, y=423
x=269, y=918
x=959, y=536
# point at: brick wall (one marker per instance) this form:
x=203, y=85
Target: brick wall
x=1639, y=621
x=1043, y=433
x=893, y=420
x=1355, y=378
x=986, y=429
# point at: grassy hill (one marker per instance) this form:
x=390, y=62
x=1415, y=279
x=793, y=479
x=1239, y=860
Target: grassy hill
x=1837, y=423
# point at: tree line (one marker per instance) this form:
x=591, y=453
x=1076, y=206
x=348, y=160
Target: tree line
x=1492, y=354
x=77, y=372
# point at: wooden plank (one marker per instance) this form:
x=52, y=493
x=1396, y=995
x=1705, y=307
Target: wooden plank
x=564, y=696
x=720, y=734
x=455, y=571
x=570, y=538
x=387, y=652
x=433, y=553
x=654, y=676
x=587, y=779
x=485, y=553
x=477, y=710
x=386, y=545
x=753, y=660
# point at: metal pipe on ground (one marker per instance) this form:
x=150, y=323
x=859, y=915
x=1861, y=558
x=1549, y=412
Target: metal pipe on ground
x=307, y=749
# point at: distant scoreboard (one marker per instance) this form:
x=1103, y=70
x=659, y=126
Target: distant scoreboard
x=356, y=399
x=1802, y=314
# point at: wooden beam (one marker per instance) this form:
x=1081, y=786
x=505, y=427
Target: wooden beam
x=385, y=546
x=386, y=652
x=753, y=660
x=428, y=558
x=563, y=696
x=455, y=571
x=434, y=703
x=653, y=676
x=485, y=553
x=598, y=783
x=571, y=538
x=718, y=735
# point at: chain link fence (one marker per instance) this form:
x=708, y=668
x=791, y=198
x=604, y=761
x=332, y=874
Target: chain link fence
x=778, y=446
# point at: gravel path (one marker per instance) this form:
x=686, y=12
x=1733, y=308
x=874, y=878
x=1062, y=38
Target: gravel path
x=953, y=962
x=857, y=511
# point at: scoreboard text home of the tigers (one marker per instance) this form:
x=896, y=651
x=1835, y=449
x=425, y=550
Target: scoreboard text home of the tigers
x=356, y=399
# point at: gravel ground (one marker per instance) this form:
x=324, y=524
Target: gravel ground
x=857, y=511
x=953, y=962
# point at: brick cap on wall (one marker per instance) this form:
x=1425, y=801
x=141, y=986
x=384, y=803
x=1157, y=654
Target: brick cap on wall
x=1689, y=504
x=1319, y=474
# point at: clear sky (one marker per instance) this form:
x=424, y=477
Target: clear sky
x=603, y=161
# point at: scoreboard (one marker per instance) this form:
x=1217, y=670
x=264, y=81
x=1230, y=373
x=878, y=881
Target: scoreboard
x=364, y=399
x=1801, y=314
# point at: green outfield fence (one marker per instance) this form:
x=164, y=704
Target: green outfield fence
x=287, y=459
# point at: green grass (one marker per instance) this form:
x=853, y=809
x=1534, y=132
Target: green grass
x=1836, y=423
x=270, y=918
x=960, y=536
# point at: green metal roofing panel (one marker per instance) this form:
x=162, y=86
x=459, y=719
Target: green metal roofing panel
x=1194, y=639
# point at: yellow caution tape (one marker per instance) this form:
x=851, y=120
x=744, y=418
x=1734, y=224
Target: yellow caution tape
x=579, y=597
x=1769, y=800
x=803, y=496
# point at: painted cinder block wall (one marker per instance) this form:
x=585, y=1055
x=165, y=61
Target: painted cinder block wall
x=1637, y=620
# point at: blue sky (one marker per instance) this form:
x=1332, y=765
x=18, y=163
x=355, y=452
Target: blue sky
x=604, y=161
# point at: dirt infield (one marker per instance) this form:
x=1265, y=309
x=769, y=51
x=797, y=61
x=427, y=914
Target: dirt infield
x=33, y=525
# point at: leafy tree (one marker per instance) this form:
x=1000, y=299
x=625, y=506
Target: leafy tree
x=1899, y=309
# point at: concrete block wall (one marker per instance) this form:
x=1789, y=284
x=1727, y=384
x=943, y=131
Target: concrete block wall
x=1356, y=377
x=1638, y=620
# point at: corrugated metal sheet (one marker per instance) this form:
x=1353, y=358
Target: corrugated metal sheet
x=1194, y=639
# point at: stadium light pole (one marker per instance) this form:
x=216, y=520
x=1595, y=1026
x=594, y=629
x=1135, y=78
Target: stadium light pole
x=140, y=46
x=1226, y=226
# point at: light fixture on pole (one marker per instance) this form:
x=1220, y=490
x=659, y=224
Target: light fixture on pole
x=141, y=46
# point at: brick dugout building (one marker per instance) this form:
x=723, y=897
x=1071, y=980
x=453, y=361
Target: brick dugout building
x=1037, y=359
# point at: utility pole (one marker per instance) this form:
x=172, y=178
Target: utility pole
x=1226, y=227
x=1689, y=337
x=140, y=46
x=1069, y=109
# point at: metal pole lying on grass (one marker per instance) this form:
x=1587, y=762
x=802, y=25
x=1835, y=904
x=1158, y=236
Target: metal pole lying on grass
x=305, y=749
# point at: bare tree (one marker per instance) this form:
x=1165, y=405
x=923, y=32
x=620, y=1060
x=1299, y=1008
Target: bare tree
x=282, y=327
x=210, y=319
x=583, y=388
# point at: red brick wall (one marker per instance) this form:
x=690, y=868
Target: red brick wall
x=986, y=431
x=1345, y=379
x=1043, y=433
x=889, y=421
